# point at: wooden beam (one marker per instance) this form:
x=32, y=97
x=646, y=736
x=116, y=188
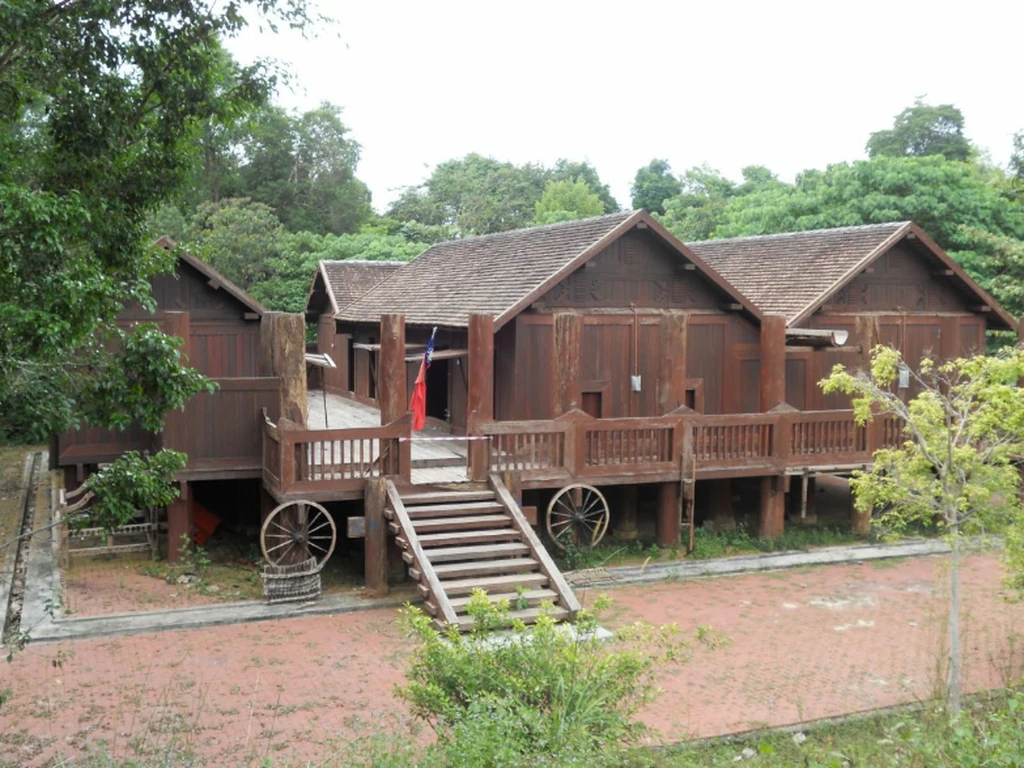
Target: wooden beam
x=980, y=308
x=773, y=361
x=690, y=266
x=672, y=369
x=943, y=273
x=250, y=315
x=215, y=284
x=391, y=378
x=732, y=306
x=480, y=394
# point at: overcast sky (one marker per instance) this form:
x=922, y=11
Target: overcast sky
x=784, y=84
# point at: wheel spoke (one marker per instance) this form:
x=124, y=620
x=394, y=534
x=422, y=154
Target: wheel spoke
x=319, y=527
x=312, y=544
x=285, y=544
x=289, y=531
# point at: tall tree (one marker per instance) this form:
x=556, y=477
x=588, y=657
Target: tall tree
x=923, y=130
x=653, y=185
x=1017, y=158
x=303, y=167
x=475, y=194
x=567, y=200
x=100, y=104
x=958, y=466
x=569, y=170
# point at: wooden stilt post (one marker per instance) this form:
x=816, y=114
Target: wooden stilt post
x=480, y=397
x=720, y=499
x=773, y=394
x=772, y=507
x=625, y=522
x=670, y=518
x=376, y=541
x=179, y=524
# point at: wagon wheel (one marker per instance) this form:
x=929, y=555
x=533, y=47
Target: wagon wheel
x=578, y=514
x=296, y=531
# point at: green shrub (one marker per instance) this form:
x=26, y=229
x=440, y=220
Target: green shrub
x=539, y=696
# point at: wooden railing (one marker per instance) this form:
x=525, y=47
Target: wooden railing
x=298, y=460
x=579, y=446
x=826, y=434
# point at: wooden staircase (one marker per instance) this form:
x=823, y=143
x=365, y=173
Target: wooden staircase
x=460, y=540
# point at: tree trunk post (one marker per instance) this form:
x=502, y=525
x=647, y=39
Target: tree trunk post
x=568, y=333
x=283, y=354
x=480, y=397
x=376, y=541
x=954, y=621
x=391, y=385
x=179, y=524
x=772, y=508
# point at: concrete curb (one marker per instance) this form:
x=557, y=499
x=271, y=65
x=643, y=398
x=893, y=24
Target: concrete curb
x=87, y=627
x=774, y=561
x=11, y=558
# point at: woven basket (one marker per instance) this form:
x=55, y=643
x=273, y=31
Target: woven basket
x=291, y=583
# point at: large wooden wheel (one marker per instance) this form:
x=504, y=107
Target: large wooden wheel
x=296, y=531
x=578, y=515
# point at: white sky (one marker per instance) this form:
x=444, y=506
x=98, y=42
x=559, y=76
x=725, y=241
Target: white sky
x=790, y=85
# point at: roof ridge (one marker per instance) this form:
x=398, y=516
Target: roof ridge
x=362, y=261
x=778, y=235
x=538, y=227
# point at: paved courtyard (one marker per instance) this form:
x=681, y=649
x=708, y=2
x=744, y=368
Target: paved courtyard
x=803, y=644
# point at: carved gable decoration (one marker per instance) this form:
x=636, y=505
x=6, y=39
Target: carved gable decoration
x=635, y=270
x=899, y=280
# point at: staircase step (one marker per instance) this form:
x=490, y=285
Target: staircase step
x=533, y=598
x=481, y=552
x=453, y=510
x=488, y=583
x=445, y=497
x=527, y=616
x=485, y=568
x=460, y=523
x=453, y=538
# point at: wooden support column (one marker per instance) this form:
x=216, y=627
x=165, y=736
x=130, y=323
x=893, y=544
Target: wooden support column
x=376, y=541
x=772, y=507
x=773, y=362
x=480, y=397
x=949, y=338
x=565, y=364
x=670, y=516
x=392, y=394
x=860, y=521
x=179, y=523
x=283, y=354
x=720, y=500
x=867, y=333
x=625, y=521
x=672, y=371
x=325, y=338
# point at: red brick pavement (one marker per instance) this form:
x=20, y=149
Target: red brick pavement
x=804, y=644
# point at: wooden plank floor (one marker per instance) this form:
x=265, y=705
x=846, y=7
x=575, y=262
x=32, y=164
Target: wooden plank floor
x=343, y=413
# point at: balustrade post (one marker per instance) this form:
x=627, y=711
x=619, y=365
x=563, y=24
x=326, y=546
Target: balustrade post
x=287, y=456
x=376, y=541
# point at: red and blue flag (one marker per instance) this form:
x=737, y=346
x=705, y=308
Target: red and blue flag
x=418, y=404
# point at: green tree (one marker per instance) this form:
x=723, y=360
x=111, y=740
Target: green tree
x=100, y=105
x=653, y=185
x=568, y=170
x=303, y=167
x=959, y=204
x=237, y=237
x=958, y=467
x=923, y=130
x=474, y=194
x=1016, y=166
x=567, y=200
x=290, y=271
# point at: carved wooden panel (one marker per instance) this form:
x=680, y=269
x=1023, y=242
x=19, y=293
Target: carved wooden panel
x=902, y=280
x=635, y=270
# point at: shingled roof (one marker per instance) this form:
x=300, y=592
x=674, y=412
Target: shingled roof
x=794, y=273
x=501, y=274
x=348, y=279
